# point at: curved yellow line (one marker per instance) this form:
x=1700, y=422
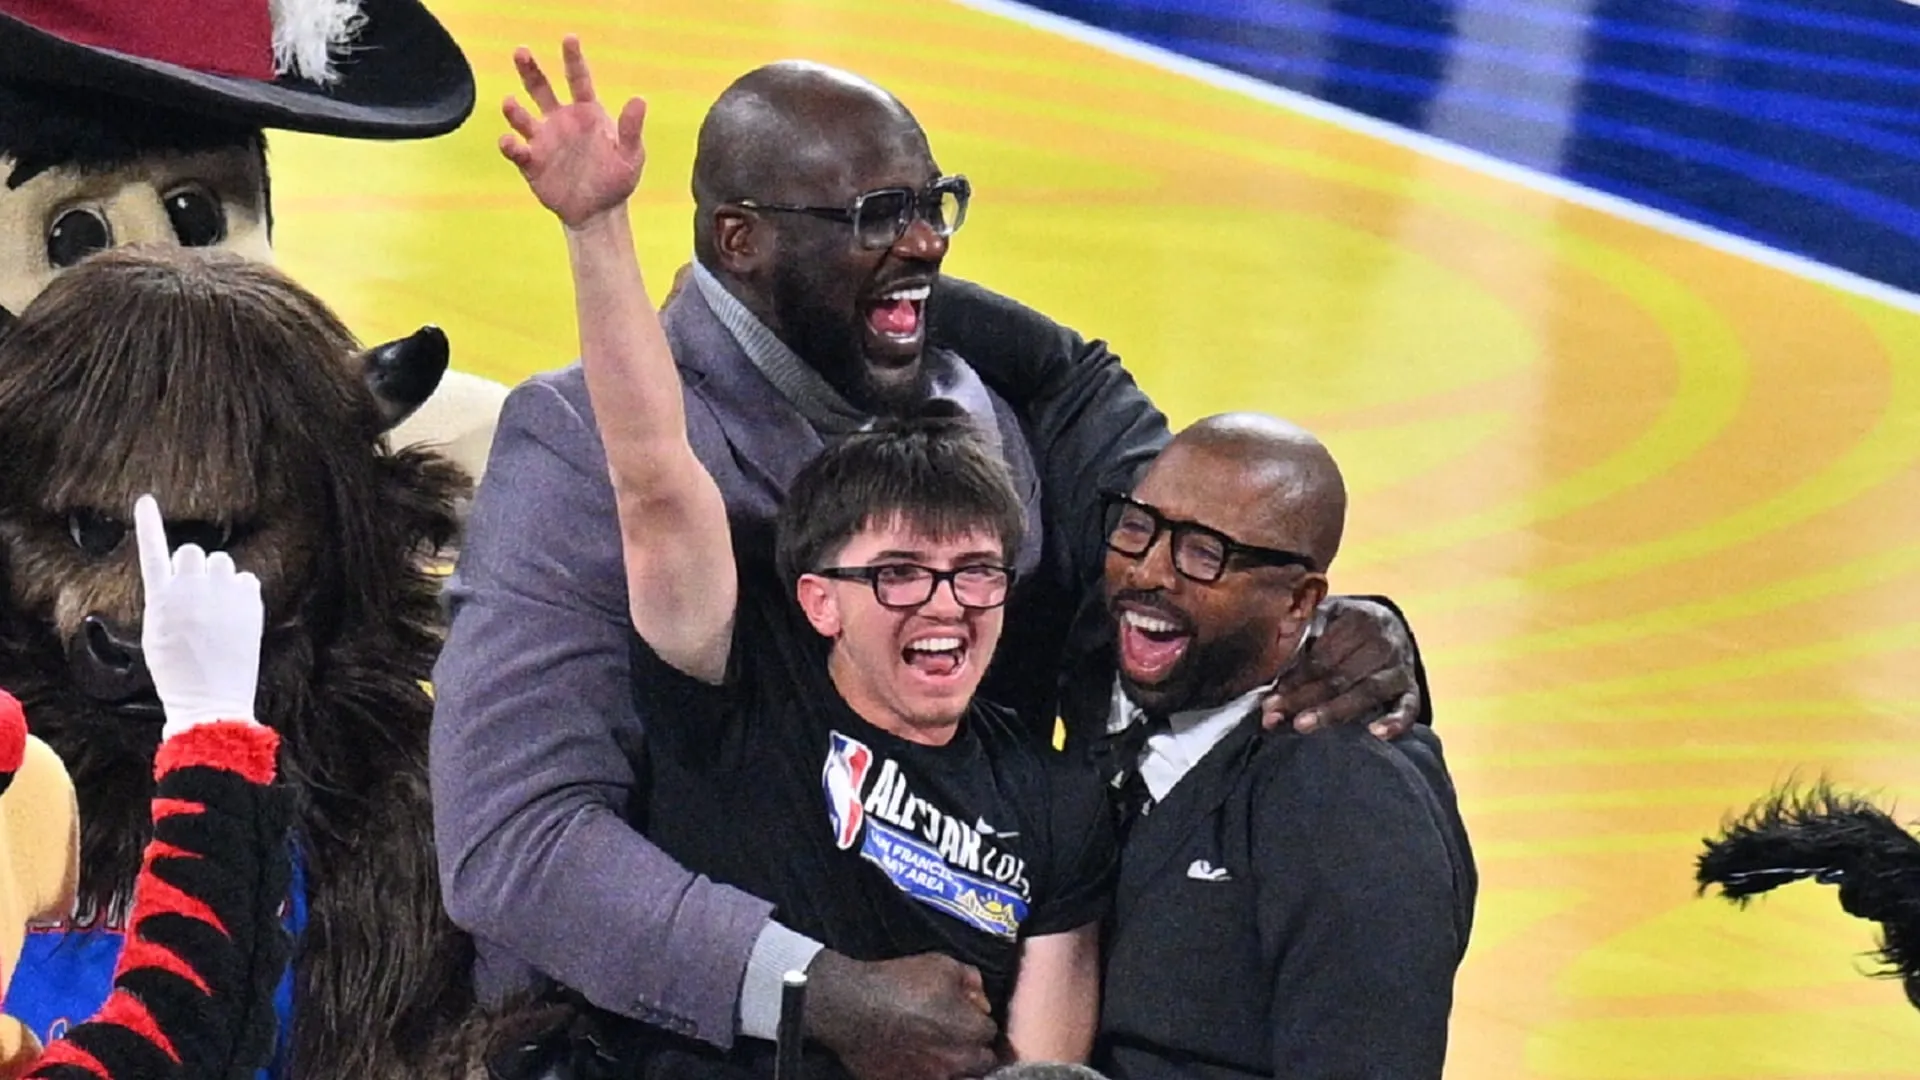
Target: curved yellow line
x=1550, y=701
x=1711, y=372
x=1828, y=582
x=1886, y=450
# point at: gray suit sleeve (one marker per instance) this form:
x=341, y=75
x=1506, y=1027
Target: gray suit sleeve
x=530, y=782
x=1358, y=898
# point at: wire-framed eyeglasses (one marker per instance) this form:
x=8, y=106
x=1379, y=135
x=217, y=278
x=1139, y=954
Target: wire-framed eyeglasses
x=1199, y=552
x=880, y=217
x=908, y=585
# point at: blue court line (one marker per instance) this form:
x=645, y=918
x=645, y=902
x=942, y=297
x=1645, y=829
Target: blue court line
x=1343, y=25
x=1864, y=204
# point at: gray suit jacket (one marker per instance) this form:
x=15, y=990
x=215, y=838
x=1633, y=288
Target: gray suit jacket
x=531, y=785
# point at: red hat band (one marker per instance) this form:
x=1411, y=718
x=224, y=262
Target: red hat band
x=217, y=37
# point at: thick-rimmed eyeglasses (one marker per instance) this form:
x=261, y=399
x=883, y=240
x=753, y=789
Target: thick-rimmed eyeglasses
x=879, y=218
x=909, y=585
x=1200, y=553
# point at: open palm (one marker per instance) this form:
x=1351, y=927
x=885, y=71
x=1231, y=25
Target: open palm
x=578, y=160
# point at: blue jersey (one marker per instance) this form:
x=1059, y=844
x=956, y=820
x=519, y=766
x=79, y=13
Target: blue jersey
x=66, y=974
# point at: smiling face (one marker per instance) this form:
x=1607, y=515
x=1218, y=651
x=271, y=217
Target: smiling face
x=1187, y=644
x=911, y=670
x=862, y=530
x=802, y=135
x=857, y=315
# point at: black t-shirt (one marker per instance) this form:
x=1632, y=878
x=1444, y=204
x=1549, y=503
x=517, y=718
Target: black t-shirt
x=876, y=846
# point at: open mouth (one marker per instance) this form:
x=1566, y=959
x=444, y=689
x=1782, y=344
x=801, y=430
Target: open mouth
x=1151, y=644
x=938, y=657
x=897, y=319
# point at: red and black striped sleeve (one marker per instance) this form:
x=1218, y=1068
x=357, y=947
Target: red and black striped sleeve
x=193, y=992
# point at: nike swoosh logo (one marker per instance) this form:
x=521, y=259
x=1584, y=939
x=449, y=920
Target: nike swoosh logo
x=980, y=826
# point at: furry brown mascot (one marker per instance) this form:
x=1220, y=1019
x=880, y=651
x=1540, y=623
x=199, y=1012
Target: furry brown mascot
x=1835, y=838
x=193, y=989
x=219, y=386
x=143, y=121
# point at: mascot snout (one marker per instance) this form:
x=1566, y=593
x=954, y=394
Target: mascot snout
x=107, y=666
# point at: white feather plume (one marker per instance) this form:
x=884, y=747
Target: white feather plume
x=308, y=35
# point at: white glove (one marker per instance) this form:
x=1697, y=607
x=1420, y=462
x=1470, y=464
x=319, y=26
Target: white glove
x=202, y=628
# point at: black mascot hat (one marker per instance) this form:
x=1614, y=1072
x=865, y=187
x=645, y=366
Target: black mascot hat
x=372, y=69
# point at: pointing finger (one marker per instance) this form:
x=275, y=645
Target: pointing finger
x=150, y=533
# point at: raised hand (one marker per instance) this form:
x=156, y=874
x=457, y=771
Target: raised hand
x=202, y=627
x=579, y=162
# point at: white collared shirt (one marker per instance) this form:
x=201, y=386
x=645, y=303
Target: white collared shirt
x=1170, y=754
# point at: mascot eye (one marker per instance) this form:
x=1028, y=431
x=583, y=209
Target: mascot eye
x=75, y=235
x=198, y=218
x=94, y=533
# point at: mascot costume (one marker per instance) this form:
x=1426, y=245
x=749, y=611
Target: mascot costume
x=193, y=995
x=142, y=121
x=1835, y=838
x=243, y=405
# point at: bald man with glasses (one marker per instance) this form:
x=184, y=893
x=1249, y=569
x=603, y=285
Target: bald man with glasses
x=1288, y=906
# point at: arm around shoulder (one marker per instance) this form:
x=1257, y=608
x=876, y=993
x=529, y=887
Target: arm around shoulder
x=1092, y=425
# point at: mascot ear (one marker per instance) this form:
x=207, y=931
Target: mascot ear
x=403, y=374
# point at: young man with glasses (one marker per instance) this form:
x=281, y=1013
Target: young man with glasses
x=812, y=726
x=1288, y=906
x=794, y=328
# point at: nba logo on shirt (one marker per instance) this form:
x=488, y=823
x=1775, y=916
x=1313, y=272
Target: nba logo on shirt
x=844, y=775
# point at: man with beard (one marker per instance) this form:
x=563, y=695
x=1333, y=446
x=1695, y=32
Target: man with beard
x=1277, y=891
x=862, y=648
x=814, y=305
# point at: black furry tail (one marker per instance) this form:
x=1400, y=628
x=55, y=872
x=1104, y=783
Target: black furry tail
x=1836, y=839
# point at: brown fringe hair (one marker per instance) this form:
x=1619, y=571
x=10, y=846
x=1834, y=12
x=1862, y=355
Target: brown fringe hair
x=231, y=394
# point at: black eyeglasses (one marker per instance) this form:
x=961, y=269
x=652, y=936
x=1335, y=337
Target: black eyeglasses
x=879, y=218
x=908, y=585
x=1199, y=552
